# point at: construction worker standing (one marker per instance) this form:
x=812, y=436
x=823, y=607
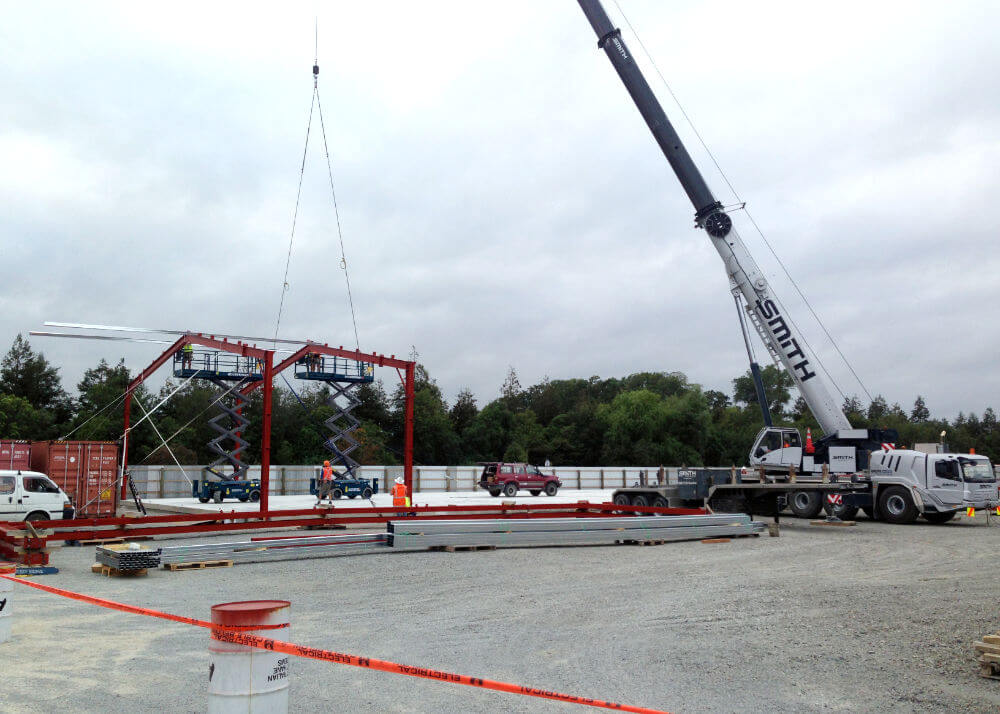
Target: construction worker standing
x=399, y=497
x=187, y=356
x=325, y=484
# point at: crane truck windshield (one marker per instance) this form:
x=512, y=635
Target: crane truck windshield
x=977, y=471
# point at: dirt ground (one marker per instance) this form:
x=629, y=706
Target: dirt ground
x=873, y=617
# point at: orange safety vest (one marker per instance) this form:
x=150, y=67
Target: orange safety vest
x=328, y=473
x=399, y=495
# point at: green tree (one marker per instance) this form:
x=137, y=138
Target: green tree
x=27, y=374
x=464, y=411
x=777, y=389
x=920, y=412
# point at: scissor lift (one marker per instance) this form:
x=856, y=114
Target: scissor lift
x=221, y=369
x=344, y=376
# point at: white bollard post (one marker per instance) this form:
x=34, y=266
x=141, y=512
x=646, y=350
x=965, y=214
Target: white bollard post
x=6, y=601
x=245, y=679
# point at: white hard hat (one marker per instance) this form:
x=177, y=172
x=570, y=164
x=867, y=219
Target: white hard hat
x=399, y=479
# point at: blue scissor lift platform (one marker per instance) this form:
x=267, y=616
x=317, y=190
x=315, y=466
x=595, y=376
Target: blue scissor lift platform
x=221, y=368
x=344, y=376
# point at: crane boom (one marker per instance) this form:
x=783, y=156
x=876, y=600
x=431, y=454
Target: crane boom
x=776, y=330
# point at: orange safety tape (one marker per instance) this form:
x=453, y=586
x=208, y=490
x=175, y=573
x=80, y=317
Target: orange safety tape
x=238, y=635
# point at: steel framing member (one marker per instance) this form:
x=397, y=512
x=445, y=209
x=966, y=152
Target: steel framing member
x=15, y=535
x=224, y=345
x=407, y=376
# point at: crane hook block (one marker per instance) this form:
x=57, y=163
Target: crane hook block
x=315, y=70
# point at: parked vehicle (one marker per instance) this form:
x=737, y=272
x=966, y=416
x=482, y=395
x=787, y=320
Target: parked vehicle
x=32, y=496
x=243, y=489
x=350, y=487
x=508, y=479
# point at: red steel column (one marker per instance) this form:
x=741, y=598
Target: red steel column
x=408, y=432
x=265, y=439
x=128, y=414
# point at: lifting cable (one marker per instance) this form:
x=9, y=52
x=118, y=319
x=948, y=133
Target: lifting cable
x=750, y=217
x=318, y=107
x=195, y=417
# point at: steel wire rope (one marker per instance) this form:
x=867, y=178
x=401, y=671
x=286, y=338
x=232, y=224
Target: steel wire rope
x=195, y=417
x=749, y=216
x=164, y=442
x=318, y=106
x=295, y=218
x=336, y=212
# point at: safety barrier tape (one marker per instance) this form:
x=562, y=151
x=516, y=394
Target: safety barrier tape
x=238, y=635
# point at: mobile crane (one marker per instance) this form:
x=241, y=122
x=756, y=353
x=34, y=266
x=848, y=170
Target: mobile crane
x=854, y=468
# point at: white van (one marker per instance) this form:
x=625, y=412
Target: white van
x=31, y=496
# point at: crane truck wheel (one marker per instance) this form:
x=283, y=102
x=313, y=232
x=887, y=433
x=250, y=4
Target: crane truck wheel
x=896, y=506
x=661, y=502
x=939, y=517
x=640, y=499
x=621, y=499
x=805, y=504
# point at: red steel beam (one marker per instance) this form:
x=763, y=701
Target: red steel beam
x=265, y=439
x=408, y=430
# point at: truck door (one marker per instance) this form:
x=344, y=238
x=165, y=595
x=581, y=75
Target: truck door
x=40, y=494
x=10, y=510
x=944, y=480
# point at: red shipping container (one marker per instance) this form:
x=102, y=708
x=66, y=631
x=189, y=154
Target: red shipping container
x=86, y=470
x=15, y=455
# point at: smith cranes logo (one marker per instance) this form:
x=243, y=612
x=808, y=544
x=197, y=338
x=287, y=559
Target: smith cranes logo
x=783, y=335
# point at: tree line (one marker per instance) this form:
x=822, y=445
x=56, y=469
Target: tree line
x=638, y=420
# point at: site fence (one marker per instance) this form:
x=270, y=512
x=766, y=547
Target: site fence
x=172, y=482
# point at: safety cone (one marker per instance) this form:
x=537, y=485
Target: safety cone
x=810, y=449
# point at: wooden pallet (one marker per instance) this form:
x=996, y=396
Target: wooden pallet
x=643, y=542
x=833, y=523
x=108, y=571
x=456, y=548
x=988, y=655
x=100, y=541
x=715, y=540
x=198, y=565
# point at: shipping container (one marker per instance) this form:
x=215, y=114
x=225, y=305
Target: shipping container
x=86, y=470
x=15, y=455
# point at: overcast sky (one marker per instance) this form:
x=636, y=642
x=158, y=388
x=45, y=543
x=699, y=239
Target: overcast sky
x=502, y=201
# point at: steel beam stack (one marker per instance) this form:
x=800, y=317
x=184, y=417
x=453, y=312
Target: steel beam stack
x=128, y=556
x=568, y=531
x=253, y=551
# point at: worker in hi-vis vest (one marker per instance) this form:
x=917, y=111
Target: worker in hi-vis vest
x=399, y=497
x=325, y=484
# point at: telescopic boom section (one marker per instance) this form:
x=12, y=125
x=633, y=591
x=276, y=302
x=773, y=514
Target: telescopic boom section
x=775, y=329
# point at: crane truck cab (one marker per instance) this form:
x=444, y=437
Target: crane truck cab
x=937, y=486
x=32, y=496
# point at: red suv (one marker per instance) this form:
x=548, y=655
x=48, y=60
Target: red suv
x=499, y=477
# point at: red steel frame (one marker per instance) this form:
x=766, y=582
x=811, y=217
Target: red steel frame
x=224, y=345
x=270, y=369
x=407, y=378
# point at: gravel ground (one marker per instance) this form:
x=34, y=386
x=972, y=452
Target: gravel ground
x=874, y=617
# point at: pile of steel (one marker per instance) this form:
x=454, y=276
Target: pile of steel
x=568, y=531
x=252, y=551
x=128, y=556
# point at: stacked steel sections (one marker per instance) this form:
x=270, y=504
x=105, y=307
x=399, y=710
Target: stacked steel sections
x=568, y=531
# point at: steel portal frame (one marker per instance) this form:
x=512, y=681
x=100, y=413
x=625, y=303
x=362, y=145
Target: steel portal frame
x=407, y=377
x=404, y=368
